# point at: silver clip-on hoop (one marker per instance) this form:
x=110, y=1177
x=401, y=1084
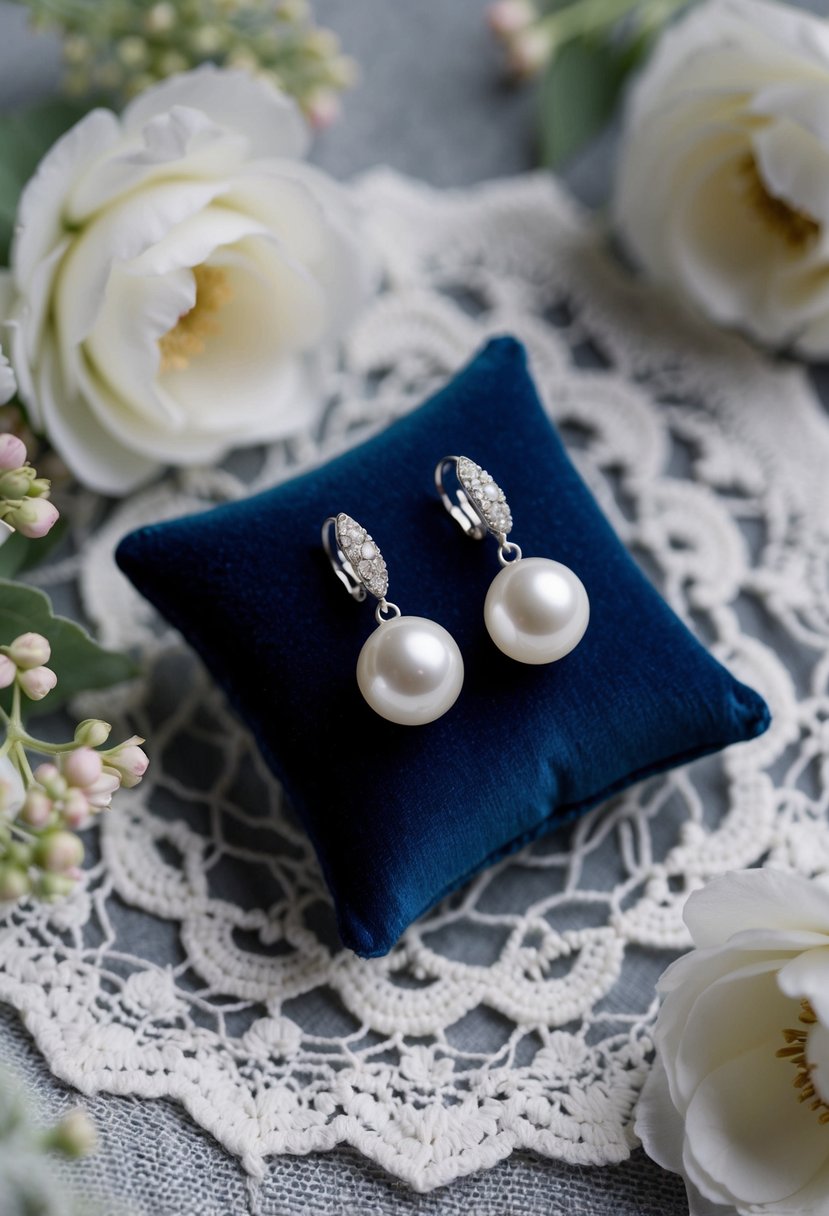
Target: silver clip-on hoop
x=460, y=508
x=340, y=564
x=481, y=505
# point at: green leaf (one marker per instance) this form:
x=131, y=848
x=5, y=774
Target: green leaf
x=578, y=93
x=24, y=138
x=78, y=661
x=20, y=552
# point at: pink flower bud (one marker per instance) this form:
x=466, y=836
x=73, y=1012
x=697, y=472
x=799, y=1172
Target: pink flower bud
x=75, y=808
x=82, y=767
x=7, y=671
x=323, y=109
x=37, y=682
x=49, y=776
x=12, y=452
x=507, y=16
x=30, y=650
x=100, y=792
x=58, y=852
x=34, y=518
x=130, y=762
x=37, y=809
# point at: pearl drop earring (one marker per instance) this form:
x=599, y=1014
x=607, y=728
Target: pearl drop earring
x=410, y=670
x=536, y=609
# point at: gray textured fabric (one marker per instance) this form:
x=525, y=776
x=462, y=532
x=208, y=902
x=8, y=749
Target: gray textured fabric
x=151, y=1152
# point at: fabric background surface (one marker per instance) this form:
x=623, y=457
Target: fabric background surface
x=434, y=61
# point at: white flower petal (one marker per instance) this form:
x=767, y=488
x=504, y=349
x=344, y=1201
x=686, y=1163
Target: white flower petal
x=727, y=124
x=121, y=234
x=93, y=456
x=730, y=257
x=746, y=1130
x=192, y=241
x=794, y=166
x=12, y=790
x=179, y=146
x=197, y=171
x=756, y=899
x=738, y=1012
x=807, y=976
x=40, y=210
x=8, y=383
x=270, y=120
x=658, y=1123
x=123, y=346
x=276, y=312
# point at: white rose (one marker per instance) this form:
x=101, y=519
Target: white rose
x=173, y=268
x=738, y=1099
x=723, y=182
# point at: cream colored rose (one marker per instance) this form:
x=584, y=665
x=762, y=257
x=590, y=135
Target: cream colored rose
x=723, y=179
x=738, y=1099
x=173, y=270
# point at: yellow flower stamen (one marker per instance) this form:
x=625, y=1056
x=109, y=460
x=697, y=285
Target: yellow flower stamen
x=189, y=335
x=798, y=228
x=795, y=1053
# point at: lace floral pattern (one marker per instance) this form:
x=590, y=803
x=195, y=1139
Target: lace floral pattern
x=517, y=1014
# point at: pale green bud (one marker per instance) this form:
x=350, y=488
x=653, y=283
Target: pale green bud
x=29, y=650
x=160, y=18
x=53, y=886
x=39, y=487
x=171, y=63
x=132, y=50
x=14, y=882
x=76, y=49
x=92, y=732
x=58, y=851
x=15, y=484
x=75, y=1135
x=208, y=40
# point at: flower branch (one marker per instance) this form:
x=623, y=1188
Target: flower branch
x=43, y=807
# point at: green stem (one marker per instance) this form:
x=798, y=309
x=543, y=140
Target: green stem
x=23, y=765
x=41, y=746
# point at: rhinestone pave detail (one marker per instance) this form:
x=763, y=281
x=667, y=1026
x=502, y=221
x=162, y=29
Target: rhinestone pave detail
x=487, y=497
x=366, y=559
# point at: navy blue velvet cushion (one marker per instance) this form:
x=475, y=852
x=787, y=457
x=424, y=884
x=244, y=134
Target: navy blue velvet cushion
x=400, y=816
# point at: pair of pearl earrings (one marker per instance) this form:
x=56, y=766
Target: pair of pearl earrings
x=410, y=671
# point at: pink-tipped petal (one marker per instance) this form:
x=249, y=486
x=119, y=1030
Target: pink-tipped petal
x=82, y=767
x=12, y=452
x=37, y=682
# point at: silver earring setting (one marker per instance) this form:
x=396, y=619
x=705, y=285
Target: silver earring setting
x=410, y=670
x=536, y=610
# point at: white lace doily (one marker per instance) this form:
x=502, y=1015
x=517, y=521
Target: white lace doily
x=197, y=961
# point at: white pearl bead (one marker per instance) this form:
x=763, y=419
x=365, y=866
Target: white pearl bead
x=410, y=670
x=536, y=610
